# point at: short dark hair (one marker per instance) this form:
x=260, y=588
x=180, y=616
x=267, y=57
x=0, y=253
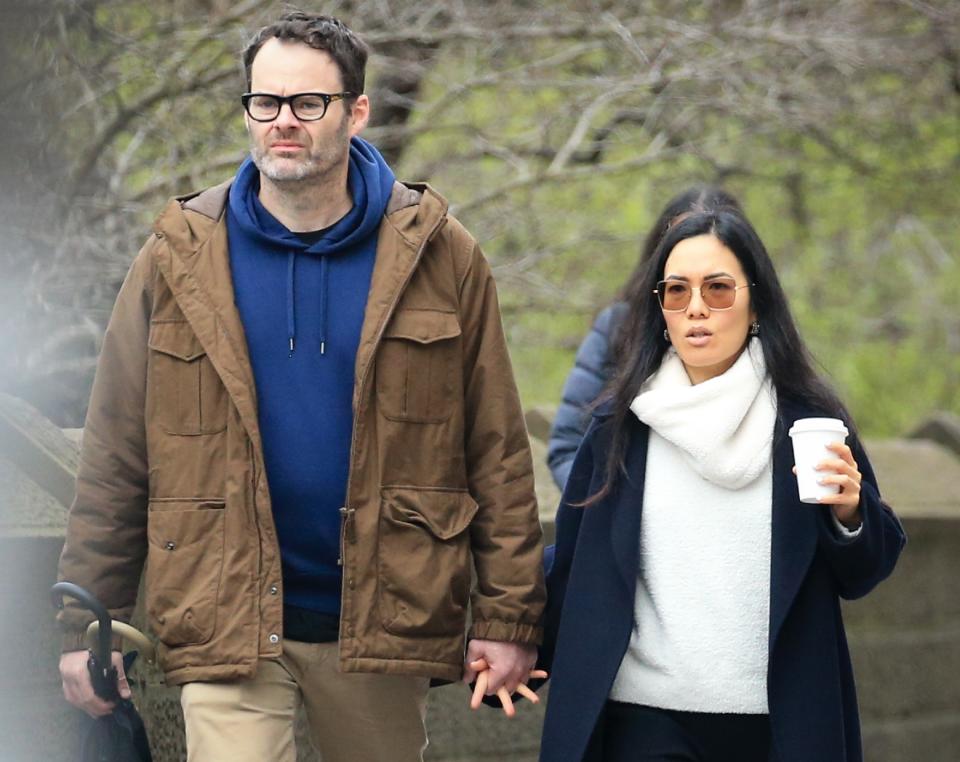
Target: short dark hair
x=324, y=33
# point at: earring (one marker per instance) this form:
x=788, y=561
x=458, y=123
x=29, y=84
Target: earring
x=666, y=335
x=755, y=328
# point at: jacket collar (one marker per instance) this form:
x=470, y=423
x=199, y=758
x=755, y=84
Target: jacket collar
x=604, y=409
x=194, y=261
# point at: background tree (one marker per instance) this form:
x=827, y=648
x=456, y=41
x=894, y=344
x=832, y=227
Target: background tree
x=558, y=130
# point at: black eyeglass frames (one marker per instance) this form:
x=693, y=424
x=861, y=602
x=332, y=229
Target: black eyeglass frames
x=307, y=107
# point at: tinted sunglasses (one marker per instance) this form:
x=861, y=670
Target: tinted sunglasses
x=717, y=293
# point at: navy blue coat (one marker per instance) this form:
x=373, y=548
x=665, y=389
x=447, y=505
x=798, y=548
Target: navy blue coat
x=591, y=369
x=593, y=577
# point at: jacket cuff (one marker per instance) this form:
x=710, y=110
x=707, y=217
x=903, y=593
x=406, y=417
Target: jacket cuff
x=73, y=640
x=76, y=640
x=843, y=532
x=511, y=632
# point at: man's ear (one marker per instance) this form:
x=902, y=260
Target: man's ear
x=359, y=115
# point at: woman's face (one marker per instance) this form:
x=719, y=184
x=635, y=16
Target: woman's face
x=708, y=340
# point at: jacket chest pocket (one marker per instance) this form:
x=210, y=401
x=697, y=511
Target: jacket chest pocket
x=417, y=366
x=188, y=397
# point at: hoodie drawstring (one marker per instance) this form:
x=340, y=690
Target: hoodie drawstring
x=323, y=303
x=291, y=302
x=291, y=312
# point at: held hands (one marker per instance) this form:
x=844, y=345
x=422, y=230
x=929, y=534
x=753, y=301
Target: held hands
x=500, y=668
x=77, y=688
x=843, y=472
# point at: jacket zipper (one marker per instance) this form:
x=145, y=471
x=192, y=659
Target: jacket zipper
x=346, y=512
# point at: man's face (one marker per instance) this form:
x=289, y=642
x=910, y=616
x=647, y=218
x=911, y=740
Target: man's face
x=287, y=149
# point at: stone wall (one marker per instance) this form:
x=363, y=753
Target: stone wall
x=905, y=636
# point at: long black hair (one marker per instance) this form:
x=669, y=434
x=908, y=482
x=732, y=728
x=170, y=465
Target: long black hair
x=642, y=346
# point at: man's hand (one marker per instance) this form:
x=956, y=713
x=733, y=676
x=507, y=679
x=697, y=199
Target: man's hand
x=77, y=688
x=500, y=668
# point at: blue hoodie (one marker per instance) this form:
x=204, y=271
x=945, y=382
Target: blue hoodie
x=302, y=299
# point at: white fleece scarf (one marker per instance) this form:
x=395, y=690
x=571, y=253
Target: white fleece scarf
x=724, y=426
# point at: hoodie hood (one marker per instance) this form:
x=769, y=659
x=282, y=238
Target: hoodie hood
x=370, y=181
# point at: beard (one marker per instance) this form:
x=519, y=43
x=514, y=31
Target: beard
x=318, y=162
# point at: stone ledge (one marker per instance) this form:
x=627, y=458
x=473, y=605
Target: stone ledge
x=921, y=739
x=901, y=680
x=942, y=428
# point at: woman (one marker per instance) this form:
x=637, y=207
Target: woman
x=591, y=369
x=693, y=601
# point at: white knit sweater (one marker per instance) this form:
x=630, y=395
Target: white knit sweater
x=703, y=594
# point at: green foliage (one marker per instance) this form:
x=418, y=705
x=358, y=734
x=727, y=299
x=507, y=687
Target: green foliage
x=858, y=217
x=558, y=132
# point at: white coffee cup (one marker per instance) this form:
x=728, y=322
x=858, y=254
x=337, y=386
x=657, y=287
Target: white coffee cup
x=810, y=439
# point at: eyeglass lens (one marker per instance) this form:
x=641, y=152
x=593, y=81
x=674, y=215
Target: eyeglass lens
x=306, y=107
x=717, y=293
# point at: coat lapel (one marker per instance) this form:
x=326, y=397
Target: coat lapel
x=198, y=274
x=794, y=530
x=627, y=505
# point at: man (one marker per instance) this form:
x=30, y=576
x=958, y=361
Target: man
x=304, y=423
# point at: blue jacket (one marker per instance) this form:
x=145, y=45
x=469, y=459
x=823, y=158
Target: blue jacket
x=592, y=580
x=586, y=380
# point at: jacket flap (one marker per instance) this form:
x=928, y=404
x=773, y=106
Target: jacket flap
x=444, y=512
x=176, y=339
x=423, y=326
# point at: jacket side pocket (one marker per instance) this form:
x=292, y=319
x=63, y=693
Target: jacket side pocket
x=424, y=560
x=184, y=564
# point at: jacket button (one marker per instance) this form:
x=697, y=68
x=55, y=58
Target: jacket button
x=350, y=583
x=350, y=630
x=274, y=638
x=170, y=545
x=274, y=590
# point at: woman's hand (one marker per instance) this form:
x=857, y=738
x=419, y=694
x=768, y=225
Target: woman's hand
x=489, y=683
x=843, y=472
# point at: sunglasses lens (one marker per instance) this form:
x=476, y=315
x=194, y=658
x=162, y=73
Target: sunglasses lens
x=674, y=294
x=719, y=293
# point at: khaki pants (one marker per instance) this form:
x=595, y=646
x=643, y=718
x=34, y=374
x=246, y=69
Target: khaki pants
x=353, y=717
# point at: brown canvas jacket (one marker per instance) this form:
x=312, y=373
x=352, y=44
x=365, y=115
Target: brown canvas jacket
x=440, y=519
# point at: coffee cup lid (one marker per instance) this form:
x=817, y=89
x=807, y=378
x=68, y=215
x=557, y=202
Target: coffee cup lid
x=802, y=425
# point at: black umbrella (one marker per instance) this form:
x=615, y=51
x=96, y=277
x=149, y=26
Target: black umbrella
x=119, y=736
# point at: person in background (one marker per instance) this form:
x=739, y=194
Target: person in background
x=693, y=603
x=305, y=428
x=591, y=369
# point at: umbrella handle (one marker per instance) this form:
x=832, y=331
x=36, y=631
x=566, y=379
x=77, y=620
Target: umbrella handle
x=129, y=633
x=101, y=650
